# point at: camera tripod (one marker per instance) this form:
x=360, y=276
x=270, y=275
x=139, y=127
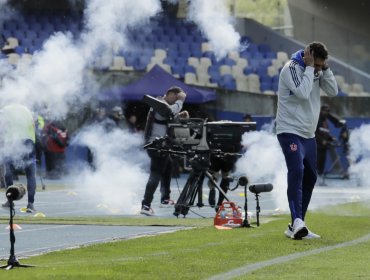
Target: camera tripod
x=12, y=261
x=200, y=164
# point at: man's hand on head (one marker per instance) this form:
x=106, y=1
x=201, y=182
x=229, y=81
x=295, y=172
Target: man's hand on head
x=308, y=57
x=184, y=114
x=325, y=66
x=181, y=96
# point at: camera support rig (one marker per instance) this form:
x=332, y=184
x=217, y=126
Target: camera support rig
x=198, y=141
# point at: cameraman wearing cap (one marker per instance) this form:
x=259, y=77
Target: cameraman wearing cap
x=161, y=163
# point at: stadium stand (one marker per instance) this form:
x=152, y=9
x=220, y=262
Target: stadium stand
x=174, y=44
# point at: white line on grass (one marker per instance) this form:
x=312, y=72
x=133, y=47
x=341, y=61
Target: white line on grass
x=252, y=267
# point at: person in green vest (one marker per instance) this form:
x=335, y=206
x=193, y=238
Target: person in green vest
x=40, y=142
x=18, y=147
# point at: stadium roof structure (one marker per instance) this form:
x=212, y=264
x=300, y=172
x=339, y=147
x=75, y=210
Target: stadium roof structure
x=155, y=83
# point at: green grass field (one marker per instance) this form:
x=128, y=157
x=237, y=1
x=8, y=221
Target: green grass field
x=202, y=251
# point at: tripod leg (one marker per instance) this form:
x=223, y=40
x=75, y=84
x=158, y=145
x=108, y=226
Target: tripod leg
x=246, y=221
x=12, y=261
x=215, y=185
x=187, y=195
x=42, y=182
x=200, y=190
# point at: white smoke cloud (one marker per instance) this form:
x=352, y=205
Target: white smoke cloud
x=107, y=23
x=58, y=77
x=263, y=162
x=119, y=178
x=212, y=17
x=55, y=77
x=359, y=142
x=6, y=12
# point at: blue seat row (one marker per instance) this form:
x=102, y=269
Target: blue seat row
x=180, y=39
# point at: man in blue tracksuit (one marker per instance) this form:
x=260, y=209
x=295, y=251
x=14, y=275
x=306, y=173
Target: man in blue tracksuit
x=297, y=115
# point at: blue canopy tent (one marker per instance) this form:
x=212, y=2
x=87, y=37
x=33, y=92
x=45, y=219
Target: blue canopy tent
x=155, y=83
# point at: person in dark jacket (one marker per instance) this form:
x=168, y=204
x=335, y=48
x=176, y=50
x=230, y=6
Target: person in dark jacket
x=326, y=142
x=56, y=143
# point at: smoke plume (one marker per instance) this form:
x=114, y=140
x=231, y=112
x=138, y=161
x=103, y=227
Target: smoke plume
x=360, y=154
x=214, y=21
x=263, y=162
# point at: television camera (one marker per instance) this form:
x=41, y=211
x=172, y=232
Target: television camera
x=198, y=140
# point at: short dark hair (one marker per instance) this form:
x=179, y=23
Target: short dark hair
x=247, y=116
x=319, y=50
x=174, y=90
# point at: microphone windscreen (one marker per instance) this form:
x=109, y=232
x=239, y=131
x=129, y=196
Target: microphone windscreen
x=258, y=188
x=243, y=181
x=15, y=192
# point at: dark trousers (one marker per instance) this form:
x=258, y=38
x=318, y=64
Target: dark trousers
x=54, y=164
x=28, y=162
x=224, y=185
x=160, y=171
x=300, y=157
x=39, y=150
x=225, y=166
x=321, y=159
x=336, y=166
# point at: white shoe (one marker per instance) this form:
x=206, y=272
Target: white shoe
x=299, y=229
x=289, y=232
x=311, y=235
x=147, y=211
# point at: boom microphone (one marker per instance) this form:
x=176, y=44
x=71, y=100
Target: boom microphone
x=15, y=192
x=258, y=188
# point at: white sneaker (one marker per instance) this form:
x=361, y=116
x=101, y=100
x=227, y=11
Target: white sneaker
x=311, y=235
x=299, y=229
x=147, y=211
x=289, y=232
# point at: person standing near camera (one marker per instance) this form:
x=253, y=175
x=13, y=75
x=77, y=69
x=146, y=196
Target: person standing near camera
x=297, y=116
x=160, y=163
x=327, y=142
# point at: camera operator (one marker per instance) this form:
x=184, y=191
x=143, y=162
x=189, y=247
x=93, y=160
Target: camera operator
x=160, y=163
x=327, y=142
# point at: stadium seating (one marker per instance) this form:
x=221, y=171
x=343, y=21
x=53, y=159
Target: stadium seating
x=176, y=45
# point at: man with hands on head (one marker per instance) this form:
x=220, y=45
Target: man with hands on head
x=298, y=110
x=161, y=163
